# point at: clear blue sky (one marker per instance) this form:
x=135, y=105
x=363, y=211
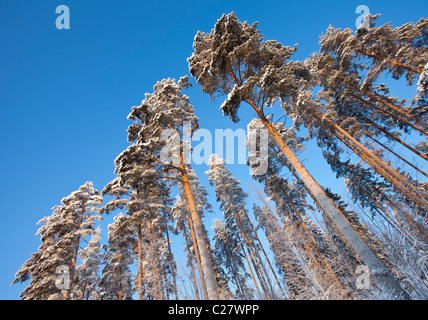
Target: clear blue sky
x=65, y=94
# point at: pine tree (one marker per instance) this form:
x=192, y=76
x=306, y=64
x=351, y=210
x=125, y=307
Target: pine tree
x=41, y=267
x=232, y=202
x=159, y=149
x=61, y=236
x=88, y=271
x=116, y=280
x=290, y=263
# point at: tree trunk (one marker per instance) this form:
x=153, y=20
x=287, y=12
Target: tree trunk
x=397, y=155
x=206, y=265
x=197, y=256
x=121, y=280
x=263, y=250
x=380, y=166
x=394, y=63
x=140, y=263
x=153, y=261
x=393, y=137
x=171, y=262
x=313, y=249
x=421, y=129
x=192, y=269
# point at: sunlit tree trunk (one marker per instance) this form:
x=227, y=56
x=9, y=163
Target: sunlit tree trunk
x=206, y=266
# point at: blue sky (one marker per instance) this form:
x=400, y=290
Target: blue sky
x=65, y=94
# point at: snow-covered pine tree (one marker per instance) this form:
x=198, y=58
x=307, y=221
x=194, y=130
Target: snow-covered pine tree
x=331, y=118
x=185, y=225
x=368, y=190
x=116, y=280
x=354, y=107
x=89, y=269
x=167, y=111
x=41, y=268
x=292, y=265
x=359, y=127
x=140, y=189
x=61, y=236
x=398, y=51
x=239, y=227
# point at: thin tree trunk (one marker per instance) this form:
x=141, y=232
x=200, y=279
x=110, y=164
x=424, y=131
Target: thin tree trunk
x=397, y=155
x=325, y=263
x=251, y=271
x=380, y=166
x=206, y=265
x=235, y=277
x=392, y=107
x=302, y=260
x=140, y=262
x=197, y=256
x=263, y=250
x=191, y=264
x=394, y=63
x=238, y=218
x=153, y=260
x=248, y=246
x=171, y=262
x=383, y=130
x=120, y=282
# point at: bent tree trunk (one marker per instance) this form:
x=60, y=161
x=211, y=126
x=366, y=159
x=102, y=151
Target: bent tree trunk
x=377, y=269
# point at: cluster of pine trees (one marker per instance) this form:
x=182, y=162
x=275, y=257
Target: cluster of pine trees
x=301, y=240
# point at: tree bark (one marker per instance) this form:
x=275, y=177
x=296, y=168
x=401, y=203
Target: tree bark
x=197, y=256
x=171, y=262
x=206, y=265
x=140, y=263
x=394, y=63
x=153, y=261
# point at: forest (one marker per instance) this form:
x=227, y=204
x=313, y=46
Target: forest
x=299, y=240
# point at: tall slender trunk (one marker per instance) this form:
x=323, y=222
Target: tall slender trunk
x=197, y=255
x=378, y=270
x=397, y=155
x=301, y=259
x=235, y=278
x=251, y=270
x=380, y=166
x=263, y=250
x=140, y=262
x=206, y=265
x=418, y=231
x=171, y=260
x=421, y=129
x=394, y=63
x=393, y=137
x=120, y=280
x=192, y=269
x=248, y=244
x=153, y=260
x=313, y=249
